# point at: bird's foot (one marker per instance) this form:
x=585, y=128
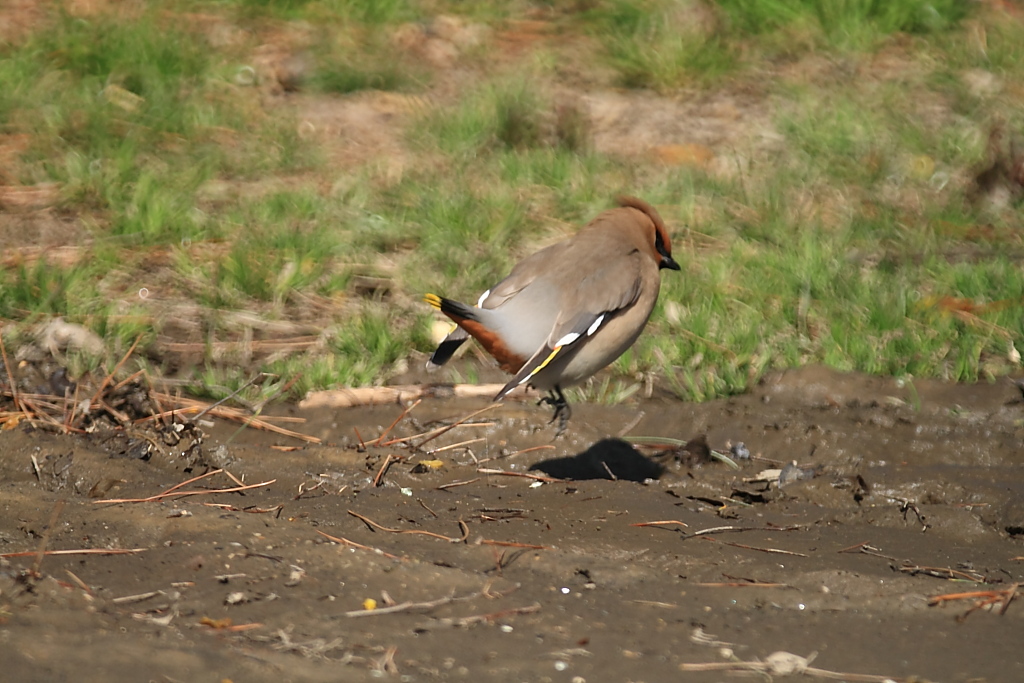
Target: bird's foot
x=562, y=410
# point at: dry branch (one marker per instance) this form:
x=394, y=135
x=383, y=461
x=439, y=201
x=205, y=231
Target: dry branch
x=360, y=546
x=786, y=664
x=374, y=525
x=479, y=618
x=80, y=551
x=190, y=405
x=750, y=547
x=173, y=492
x=536, y=477
x=372, y=396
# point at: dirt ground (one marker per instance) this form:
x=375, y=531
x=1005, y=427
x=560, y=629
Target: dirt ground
x=902, y=493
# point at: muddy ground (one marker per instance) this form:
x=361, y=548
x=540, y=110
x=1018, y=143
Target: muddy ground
x=244, y=586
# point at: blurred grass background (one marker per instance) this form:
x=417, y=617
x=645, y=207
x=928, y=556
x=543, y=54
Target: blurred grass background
x=844, y=179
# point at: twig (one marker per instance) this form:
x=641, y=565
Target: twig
x=10, y=375
x=721, y=529
x=174, y=493
x=127, y=379
x=742, y=584
x=388, y=460
x=452, y=426
x=409, y=606
x=360, y=546
x=386, y=664
x=867, y=549
x=251, y=510
x=943, y=573
x=750, y=547
x=81, y=584
x=362, y=396
x=444, y=487
x=512, y=544
x=376, y=442
x=189, y=405
x=106, y=380
x=81, y=551
x=369, y=522
x=54, y=515
x=536, y=477
x=784, y=663
x=216, y=404
x=140, y=597
x=982, y=599
x=545, y=447
x=661, y=523
x=479, y=618
x=457, y=445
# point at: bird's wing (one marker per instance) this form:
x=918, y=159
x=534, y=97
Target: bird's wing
x=602, y=293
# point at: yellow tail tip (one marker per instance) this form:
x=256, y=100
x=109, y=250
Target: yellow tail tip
x=433, y=299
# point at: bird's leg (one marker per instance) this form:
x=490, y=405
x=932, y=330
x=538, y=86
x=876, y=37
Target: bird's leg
x=562, y=410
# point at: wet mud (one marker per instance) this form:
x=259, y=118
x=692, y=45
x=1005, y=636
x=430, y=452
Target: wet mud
x=606, y=563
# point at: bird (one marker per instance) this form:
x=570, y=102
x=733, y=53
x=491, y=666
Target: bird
x=570, y=309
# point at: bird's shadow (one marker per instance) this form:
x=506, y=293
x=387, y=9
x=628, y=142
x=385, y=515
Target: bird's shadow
x=606, y=459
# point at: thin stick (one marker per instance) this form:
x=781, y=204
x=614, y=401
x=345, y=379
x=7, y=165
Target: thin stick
x=663, y=522
x=408, y=606
x=420, y=532
x=182, y=494
x=81, y=584
x=456, y=445
x=138, y=597
x=537, y=477
x=188, y=405
x=766, y=668
x=456, y=424
x=388, y=459
x=192, y=480
x=721, y=529
x=445, y=487
x=353, y=544
x=742, y=584
x=258, y=376
x=943, y=573
x=376, y=442
x=106, y=380
x=35, y=410
x=81, y=551
x=10, y=375
x=511, y=544
x=127, y=379
x=938, y=599
x=479, y=618
x=432, y=434
x=750, y=547
x=54, y=515
x=233, y=478
x=545, y=447
x=69, y=418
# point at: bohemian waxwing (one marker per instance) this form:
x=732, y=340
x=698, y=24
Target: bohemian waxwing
x=570, y=309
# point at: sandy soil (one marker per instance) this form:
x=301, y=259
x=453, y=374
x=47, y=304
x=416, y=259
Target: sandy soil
x=520, y=579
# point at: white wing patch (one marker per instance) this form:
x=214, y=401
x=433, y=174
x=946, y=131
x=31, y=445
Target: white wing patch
x=567, y=339
x=597, y=323
x=483, y=297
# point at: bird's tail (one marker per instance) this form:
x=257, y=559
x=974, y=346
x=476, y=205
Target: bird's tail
x=453, y=309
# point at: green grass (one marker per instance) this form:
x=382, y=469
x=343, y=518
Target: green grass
x=665, y=45
x=848, y=241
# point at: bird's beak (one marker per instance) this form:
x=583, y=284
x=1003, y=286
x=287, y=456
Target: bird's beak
x=669, y=262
